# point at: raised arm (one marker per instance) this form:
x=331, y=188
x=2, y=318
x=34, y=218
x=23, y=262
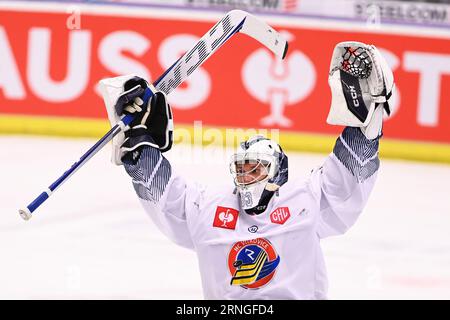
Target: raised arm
x=361, y=84
x=166, y=197
x=344, y=183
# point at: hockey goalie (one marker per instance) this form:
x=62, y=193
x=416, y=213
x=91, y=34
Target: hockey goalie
x=260, y=237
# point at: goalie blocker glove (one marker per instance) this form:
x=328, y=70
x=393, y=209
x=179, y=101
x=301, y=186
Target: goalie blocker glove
x=152, y=124
x=361, y=84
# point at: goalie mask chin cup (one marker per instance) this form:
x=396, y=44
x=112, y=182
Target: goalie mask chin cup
x=262, y=152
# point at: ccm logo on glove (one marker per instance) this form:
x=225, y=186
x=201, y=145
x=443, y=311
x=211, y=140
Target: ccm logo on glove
x=354, y=95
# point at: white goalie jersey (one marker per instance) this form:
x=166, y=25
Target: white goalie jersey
x=273, y=255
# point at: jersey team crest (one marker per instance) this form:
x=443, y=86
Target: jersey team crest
x=252, y=263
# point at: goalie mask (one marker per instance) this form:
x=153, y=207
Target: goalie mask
x=259, y=168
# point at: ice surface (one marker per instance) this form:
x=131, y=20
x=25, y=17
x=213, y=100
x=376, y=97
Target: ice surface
x=93, y=240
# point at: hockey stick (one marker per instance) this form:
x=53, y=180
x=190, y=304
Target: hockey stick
x=233, y=22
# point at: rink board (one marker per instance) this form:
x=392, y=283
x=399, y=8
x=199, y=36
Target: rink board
x=291, y=141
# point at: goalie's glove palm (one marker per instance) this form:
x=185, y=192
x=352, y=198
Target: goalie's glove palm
x=361, y=84
x=152, y=124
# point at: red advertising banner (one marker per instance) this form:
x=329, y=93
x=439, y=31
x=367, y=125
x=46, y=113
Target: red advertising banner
x=49, y=69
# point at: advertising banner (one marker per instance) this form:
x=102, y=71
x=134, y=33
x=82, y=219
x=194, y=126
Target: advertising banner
x=50, y=66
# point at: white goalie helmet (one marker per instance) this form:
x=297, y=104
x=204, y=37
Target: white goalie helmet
x=259, y=167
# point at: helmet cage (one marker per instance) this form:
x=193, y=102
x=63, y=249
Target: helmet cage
x=268, y=162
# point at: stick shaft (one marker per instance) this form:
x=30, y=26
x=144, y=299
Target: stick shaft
x=229, y=25
x=77, y=165
x=36, y=203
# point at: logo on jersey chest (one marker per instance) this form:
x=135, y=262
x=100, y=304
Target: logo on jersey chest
x=226, y=218
x=280, y=215
x=252, y=263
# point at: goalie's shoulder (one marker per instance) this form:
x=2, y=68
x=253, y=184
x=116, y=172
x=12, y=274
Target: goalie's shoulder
x=298, y=185
x=220, y=192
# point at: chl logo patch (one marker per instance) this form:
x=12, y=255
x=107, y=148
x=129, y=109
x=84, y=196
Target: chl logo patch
x=280, y=215
x=252, y=263
x=226, y=218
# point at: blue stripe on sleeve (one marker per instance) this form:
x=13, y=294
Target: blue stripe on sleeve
x=150, y=173
x=357, y=153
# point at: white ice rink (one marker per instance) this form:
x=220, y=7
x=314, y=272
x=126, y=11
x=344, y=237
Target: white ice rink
x=92, y=239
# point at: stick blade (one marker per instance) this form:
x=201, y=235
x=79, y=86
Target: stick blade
x=266, y=35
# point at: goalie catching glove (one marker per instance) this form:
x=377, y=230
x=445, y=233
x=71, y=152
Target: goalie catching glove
x=152, y=124
x=361, y=84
